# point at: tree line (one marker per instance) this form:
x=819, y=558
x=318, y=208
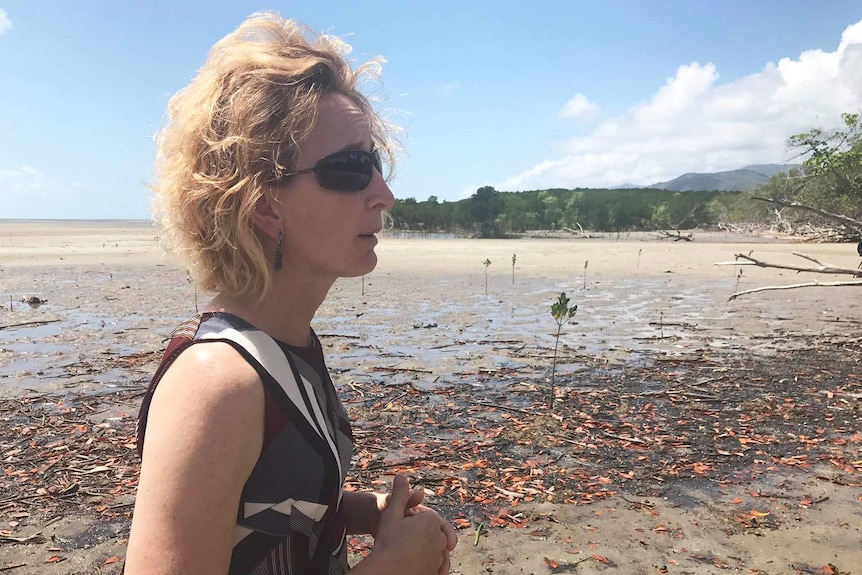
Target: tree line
x=829, y=179
x=491, y=213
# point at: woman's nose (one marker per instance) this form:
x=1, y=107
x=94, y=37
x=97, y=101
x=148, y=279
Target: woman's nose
x=381, y=195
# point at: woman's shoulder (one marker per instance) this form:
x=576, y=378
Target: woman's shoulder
x=209, y=394
x=202, y=386
x=214, y=370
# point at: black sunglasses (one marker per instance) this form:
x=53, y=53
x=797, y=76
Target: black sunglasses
x=345, y=171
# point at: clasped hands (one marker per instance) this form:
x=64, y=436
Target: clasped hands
x=412, y=538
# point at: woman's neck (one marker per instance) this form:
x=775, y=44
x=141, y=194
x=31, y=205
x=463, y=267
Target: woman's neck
x=285, y=312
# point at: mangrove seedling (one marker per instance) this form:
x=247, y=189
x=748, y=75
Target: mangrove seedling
x=486, y=263
x=638, y=268
x=192, y=281
x=514, y=257
x=586, y=263
x=562, y=312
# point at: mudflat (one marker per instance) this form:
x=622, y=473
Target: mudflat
x=689, y=433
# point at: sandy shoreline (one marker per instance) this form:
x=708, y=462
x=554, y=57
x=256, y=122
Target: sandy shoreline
x=423, y=322
x=609, y=255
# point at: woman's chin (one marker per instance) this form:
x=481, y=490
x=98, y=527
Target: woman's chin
x=365, y=267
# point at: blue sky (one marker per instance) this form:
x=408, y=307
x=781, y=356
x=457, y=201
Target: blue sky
x=518, y=95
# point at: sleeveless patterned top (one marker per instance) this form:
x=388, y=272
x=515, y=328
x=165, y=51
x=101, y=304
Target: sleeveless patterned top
x=289, y=519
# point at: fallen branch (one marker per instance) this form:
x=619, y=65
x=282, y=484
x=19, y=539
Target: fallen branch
x=579, y=232
x=849, y=222
x=820, y=269
x=794, y=286
x=675, y=236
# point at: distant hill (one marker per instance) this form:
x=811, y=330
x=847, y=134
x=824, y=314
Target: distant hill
x=743, y=179
x=770, y=170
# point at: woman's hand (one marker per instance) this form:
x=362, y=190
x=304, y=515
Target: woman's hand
x=414, y=507
x=411, y=538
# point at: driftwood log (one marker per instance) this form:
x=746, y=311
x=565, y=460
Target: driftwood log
x=578, y=232
x=675, y=236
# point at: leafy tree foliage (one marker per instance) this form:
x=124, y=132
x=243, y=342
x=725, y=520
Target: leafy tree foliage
x=827, y=188
x=831, y=177
x=491, y=213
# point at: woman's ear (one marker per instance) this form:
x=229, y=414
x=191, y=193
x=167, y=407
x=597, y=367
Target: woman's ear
x=266, y=215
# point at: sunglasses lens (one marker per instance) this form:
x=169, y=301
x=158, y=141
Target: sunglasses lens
x=349, y=171
x=376, y=160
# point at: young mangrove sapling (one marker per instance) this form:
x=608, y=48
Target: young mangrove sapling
x=486, y=263
x=562, y=313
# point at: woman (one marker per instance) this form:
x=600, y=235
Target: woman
x=269, y=182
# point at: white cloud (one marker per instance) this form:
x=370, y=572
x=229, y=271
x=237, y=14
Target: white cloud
x=693, y=123
x=5, y=22
x=580, y=109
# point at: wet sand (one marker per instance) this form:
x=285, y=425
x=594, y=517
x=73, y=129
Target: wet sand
x=635, y=296
x=111, y=292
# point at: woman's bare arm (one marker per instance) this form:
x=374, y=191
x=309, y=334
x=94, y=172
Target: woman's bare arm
x=204, y=435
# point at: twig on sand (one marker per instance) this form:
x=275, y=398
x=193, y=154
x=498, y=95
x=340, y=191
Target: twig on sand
x=507, y=408
x=29, y=323
x=34, y=538
x=508, y=493
x=681, y=324
x=396, y=369
x=629, y=439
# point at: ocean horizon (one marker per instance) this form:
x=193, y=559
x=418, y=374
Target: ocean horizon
x=80, y=221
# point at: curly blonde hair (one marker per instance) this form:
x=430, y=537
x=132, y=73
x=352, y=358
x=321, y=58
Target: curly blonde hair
x=234, y=130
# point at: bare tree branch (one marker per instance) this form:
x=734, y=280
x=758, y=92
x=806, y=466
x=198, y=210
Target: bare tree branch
x=821, y=268
x=690, y=214
x=849, y=222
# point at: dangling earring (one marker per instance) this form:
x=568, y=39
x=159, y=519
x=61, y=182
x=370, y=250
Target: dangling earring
x=276, y=260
